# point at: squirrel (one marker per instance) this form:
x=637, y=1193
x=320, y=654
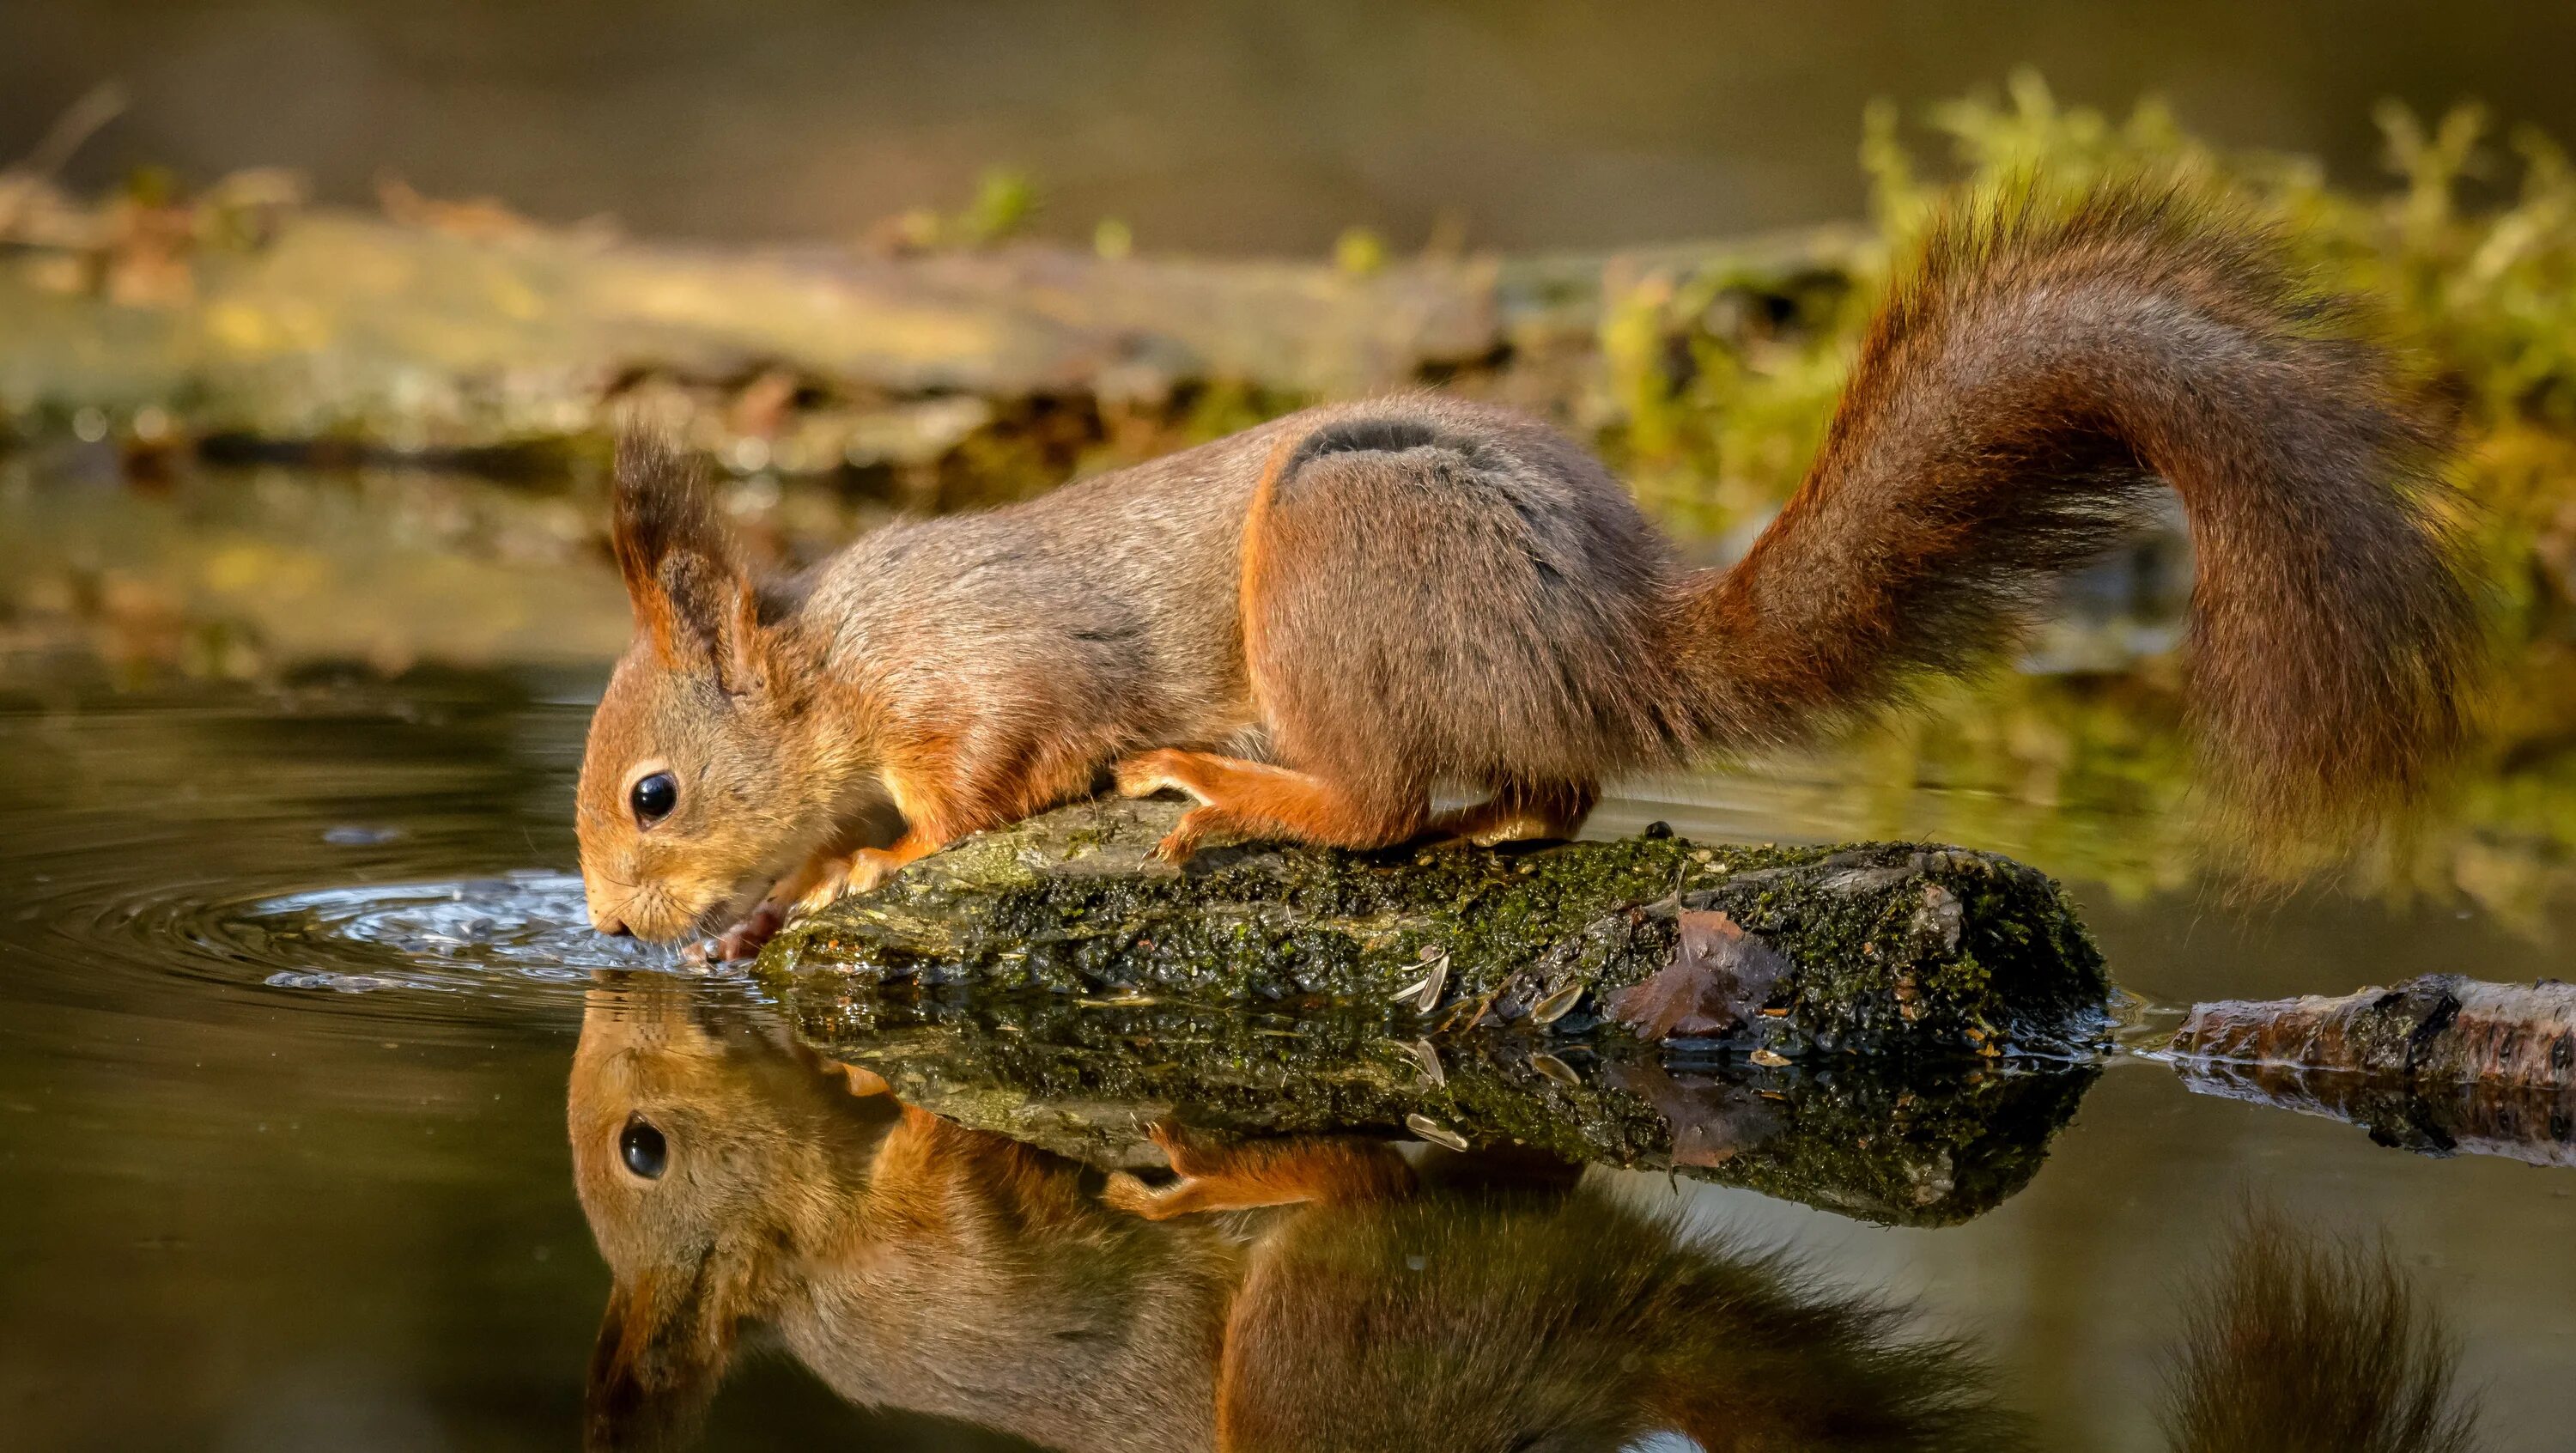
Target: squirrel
x=1310, y=626
x=1309, y=1293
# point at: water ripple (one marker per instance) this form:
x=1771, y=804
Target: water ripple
x=218, y=862
x=443, y=936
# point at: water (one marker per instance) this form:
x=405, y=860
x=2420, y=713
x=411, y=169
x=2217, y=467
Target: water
x=292, y=982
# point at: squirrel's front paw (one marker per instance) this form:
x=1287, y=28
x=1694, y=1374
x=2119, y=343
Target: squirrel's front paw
x=1190, y=1159
x=1126, y=1193
x=869, y=867
x=742, y=941
x=828, y=880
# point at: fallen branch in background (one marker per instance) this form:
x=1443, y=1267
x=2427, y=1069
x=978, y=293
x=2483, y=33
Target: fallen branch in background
x=2436, y=1064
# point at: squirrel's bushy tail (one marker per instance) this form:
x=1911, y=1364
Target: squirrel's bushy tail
x=2022, y=390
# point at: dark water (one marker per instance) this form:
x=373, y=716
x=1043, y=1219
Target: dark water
x=291, y=983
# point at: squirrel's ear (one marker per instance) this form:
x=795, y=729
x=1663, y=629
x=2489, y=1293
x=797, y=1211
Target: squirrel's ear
x=653, y=1370
x=693, y=598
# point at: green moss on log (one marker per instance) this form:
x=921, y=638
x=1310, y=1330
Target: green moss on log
x=1894, y=950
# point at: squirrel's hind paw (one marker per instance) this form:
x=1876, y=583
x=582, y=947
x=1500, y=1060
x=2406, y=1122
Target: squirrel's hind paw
x=1161, y=770
x=1185, y=837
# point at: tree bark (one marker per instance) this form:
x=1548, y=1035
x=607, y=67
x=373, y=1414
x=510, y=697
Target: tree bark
x=1890, y=951
x=2438, y=1064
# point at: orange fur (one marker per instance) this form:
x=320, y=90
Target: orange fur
x=1253, y=573
x=1316, y=1295
x=1253, y=799
x=1319, y=1170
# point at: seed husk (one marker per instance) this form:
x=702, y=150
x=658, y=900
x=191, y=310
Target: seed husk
x=1435, y=1132
x=1429, y=1058
x=1556, y=1006
x=1556, y=1069
x=1425, y=990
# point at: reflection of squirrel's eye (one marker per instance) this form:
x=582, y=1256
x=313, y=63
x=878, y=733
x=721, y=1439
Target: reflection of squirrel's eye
x=643, y=1148
x=654, y=797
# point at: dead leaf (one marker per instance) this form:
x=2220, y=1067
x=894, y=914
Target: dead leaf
x=1719, y=976
x=1711, y=1120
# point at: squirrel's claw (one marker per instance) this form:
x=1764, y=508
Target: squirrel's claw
x=827, y=880
x=742, y=941
x=830, y=879
x=1213, y=1176
x=1183, y=840
x=866, y=869
x=1183, y=1150
x=817, y=885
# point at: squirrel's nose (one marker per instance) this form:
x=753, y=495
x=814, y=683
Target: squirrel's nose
x=606, y=922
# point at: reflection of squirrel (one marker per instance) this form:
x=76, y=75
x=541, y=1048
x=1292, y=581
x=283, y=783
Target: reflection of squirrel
x=1307, y=1295
x=1318, y=1294
x=1310, y=626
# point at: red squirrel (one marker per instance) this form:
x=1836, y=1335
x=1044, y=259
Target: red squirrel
x=1310, y=626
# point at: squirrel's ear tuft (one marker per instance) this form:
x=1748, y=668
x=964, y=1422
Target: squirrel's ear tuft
x=693, y=598
x=653, y=1370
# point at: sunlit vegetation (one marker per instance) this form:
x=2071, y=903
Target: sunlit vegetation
x=1719, y=392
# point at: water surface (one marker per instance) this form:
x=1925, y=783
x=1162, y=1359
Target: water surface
x=292, y=977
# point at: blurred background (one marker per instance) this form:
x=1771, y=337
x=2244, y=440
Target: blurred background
x=315, y=320
x=1231, y=127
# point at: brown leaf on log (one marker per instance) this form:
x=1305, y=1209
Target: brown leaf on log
x=1711, y=1120
x=1719, y=976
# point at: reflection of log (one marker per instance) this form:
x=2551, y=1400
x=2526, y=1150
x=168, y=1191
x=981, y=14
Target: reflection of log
x=1084, y=1077
x=1890, y=950
x=2437, y=1064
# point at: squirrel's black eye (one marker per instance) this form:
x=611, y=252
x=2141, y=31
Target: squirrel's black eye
x=654, y=797
x=643, y=1149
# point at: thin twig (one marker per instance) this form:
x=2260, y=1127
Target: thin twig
x=80, y=121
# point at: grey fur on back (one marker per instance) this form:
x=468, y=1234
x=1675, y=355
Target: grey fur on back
x=1431, y=542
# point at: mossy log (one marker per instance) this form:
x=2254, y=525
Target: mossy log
x=1893, y=951
x=2437, y=1064
x=1084, y=1077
